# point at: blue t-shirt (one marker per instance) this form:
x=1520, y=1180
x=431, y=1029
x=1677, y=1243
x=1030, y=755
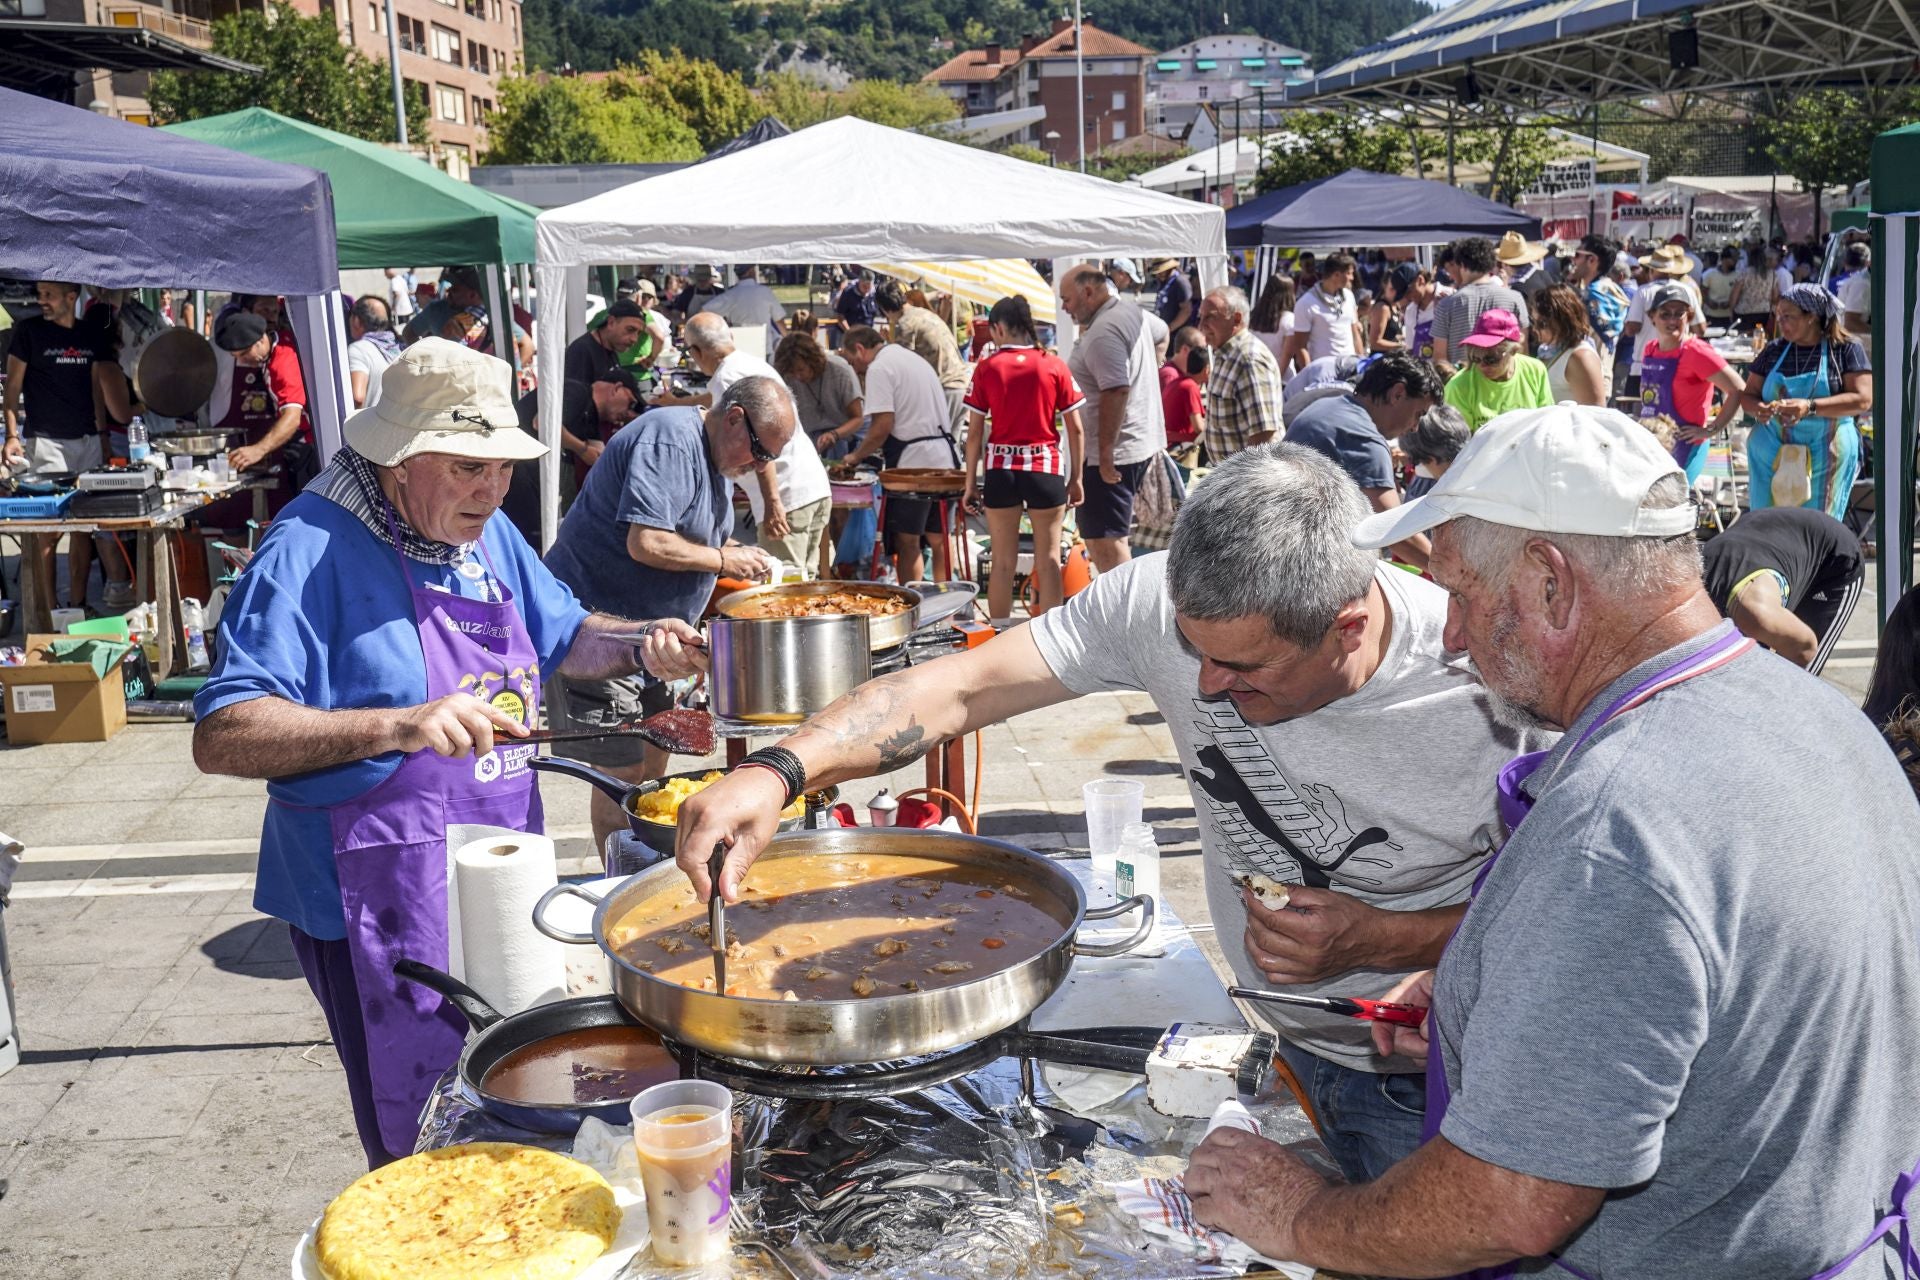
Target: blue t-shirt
x=321, y=617
x=1341, y=428
x=656, y=473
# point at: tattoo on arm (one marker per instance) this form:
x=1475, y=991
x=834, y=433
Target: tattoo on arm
x=902, y=747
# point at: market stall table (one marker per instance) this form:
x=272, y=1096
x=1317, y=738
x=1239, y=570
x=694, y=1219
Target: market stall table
x=155, y=538
x=989, y=1174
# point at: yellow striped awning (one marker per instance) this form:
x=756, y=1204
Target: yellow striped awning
x=984, y=281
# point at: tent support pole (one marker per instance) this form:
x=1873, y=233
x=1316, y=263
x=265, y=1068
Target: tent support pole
x=1450, y=181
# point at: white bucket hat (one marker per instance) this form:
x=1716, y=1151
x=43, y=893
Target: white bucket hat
x=1568, y=468
x=442, y=397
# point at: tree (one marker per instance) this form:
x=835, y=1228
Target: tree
x=1823, y=137
x=1515, y=153
x=564, y=120
x=1320, y=144
x=903, y=106
x=1131, y=165
x=714, y=103
x=308, y=75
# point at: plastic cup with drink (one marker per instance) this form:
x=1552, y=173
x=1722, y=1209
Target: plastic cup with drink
x=683, y=1132
x=1111, y=804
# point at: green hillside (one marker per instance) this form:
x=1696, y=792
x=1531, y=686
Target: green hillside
x=900, y=39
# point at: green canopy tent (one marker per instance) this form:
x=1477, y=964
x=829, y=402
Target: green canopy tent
x=1896, y=364
x=390, y=209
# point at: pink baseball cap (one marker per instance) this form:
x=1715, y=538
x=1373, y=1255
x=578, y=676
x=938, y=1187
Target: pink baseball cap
x=1493, y=328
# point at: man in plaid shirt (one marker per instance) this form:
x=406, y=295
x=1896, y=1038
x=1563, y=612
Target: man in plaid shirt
x=1243, y=393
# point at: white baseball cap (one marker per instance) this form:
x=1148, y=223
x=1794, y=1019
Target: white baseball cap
x=1569, y=468
x=442, y=397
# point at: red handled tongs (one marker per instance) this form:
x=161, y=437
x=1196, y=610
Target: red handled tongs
x=1407, y=1015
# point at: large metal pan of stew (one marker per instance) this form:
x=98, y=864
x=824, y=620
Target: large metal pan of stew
x=851, y=946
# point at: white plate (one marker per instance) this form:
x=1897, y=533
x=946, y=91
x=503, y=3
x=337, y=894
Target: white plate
x=629, y=1240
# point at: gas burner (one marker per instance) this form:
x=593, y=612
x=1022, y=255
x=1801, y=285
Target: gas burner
x=1107, y=1048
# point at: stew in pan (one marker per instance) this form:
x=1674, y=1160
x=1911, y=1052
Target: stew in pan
x=841, y=927
x=821, y=604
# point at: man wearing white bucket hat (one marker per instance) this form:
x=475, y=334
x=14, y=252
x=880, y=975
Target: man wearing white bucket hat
x=392, y=627
x=1672, y=1035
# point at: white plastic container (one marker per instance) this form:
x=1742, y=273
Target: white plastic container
x=1136, y=864
x=193, y=620
x=1111, y=804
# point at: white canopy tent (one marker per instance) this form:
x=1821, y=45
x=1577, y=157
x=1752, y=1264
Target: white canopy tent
x=847, y=191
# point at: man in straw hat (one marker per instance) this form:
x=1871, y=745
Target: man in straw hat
x=1519, y=260
x=378, y=657
x=1173, y=299
x=1661, y=1041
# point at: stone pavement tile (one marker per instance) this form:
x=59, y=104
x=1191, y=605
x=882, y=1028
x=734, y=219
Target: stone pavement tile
x=304, y=1108
x=51, y=755
x=148, y=784
x=143, y=744
x=207, y=1031
x=70, y=822
x=274, y=945
x=219, y=784
x=54, y=994
x=229, y=936
x=25, y=786
x=23, y=1107
x=166, y=1253
x=320, y=1171
x=43, y=911
x=274, y=987
x=136, y=1067
x=1062, y=782
x=136, y=910
x=103, y=1189
x=227, y=817
x=112, y=1110
x=111, y=938
x=1009, y=782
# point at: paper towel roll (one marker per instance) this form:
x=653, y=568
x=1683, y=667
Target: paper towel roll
x=498, y=878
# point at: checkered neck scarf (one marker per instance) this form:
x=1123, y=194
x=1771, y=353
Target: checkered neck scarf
x=354, y=483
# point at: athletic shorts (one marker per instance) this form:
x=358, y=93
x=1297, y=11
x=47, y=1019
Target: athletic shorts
x=49, y=456
x=1039, y=490
x=912, y=515
x=581, y=706
x=1108, y=510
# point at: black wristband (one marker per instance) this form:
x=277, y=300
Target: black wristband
x=784, y=763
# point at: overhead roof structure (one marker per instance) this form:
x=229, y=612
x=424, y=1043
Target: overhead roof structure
x=1544, y=54
x=41, y=57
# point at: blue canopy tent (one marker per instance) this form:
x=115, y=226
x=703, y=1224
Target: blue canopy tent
x=104, y=202
x=1359, y=207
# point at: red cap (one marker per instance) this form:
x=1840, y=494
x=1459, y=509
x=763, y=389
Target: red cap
x=1493, y=328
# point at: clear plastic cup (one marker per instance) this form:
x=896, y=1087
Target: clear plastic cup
x=1111, y=804
x=683, y=1132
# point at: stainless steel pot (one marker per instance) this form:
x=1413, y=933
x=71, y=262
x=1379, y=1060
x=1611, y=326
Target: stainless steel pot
x=882, y=633
x=879, y=1028
x=198, y=444
x=782, y=670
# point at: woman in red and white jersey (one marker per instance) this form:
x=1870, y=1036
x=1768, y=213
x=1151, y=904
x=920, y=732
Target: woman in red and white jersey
x=1024, y=417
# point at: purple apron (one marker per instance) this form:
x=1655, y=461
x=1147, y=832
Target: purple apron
x=390, y=847
x=1658, y=369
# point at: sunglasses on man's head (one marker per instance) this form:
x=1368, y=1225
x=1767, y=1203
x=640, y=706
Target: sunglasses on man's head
x=758, y=450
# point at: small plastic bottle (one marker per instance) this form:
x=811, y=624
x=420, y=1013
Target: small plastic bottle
x=137, y=441
x=193, y=620
x=1136, y=867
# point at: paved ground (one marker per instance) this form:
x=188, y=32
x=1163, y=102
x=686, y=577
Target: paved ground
x=179, y=1112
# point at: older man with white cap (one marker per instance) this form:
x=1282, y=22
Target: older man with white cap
x=391, y=630
x=1672, y=1036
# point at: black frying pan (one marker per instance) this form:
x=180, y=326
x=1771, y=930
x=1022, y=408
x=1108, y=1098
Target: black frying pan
x=499, y=1035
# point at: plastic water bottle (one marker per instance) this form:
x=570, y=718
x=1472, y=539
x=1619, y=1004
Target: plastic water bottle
x=137, y=441
x=1136, y=866
x=193, y=620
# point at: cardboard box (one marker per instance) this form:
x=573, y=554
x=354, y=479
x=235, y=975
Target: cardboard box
x=60, y=701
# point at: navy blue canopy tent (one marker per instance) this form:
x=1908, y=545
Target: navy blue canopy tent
x=1372, y=209
x=119, y=205
x=103, y=202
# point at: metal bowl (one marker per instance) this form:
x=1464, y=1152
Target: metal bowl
x=882, y=633
x=856, y=1031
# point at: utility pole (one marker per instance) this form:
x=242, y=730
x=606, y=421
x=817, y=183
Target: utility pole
x=1079, y=84
x=399, y=92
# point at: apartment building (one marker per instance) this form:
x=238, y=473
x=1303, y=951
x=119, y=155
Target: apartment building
x=1102, y=74
x=454, y=51
x=1248, y=71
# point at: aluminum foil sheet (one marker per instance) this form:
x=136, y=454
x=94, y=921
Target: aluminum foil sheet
x=964, y=1180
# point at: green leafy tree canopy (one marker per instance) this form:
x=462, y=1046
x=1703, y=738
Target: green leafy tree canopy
x=308, y=75
x=564, y=120
x=1320, y=144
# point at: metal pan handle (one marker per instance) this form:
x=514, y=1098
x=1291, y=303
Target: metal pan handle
x=612, y=786
x=555, y=931
x=1147, y=913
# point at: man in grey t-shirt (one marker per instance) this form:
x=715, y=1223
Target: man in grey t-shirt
x=1118, y=371
x=1306, y=686
x=1677, y=1022
x=1480, y=290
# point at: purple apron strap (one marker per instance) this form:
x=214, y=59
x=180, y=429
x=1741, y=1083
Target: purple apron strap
x=1897, y=1217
